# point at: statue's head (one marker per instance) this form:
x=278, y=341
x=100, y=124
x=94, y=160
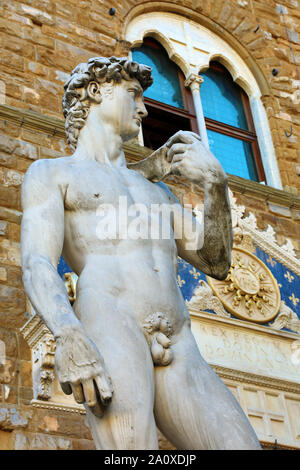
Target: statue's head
x=89, y=83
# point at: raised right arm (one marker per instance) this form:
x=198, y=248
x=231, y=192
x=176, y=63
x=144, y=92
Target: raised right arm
x=79, y=364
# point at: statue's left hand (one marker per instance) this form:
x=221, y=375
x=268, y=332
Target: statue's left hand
x=189, y=158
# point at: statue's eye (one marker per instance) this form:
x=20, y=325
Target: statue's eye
x=134, y=92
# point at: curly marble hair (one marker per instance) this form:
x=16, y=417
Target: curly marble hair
x=76, y=102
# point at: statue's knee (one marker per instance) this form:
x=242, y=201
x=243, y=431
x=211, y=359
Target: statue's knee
x=132, y=431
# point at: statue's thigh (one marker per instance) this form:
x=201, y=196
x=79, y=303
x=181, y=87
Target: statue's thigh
x=128, y=421
x=193, y=407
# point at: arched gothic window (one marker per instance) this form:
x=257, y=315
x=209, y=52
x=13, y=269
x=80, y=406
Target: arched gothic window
x=195, y=46
x=169, y=104
x=228, y=119
x=230, y=128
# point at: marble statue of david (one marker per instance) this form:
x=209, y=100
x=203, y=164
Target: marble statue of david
x=125, y=350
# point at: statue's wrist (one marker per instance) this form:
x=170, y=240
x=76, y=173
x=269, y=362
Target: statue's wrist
x=216, y=180
x=68, y=330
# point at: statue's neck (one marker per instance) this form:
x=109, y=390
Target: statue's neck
x=100, y=142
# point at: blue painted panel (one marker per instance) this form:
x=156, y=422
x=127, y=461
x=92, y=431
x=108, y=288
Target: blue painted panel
x=188, y=278
x=166, y=86
x=62, y=267
x=221, y=99
x=235, y=155
x=289, y=282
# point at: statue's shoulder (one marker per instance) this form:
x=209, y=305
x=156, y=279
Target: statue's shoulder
x=48, y=170
x=44, y=177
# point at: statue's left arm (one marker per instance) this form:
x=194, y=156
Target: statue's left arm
x=206, y=245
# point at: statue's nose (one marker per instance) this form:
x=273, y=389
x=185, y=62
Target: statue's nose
x=142, y=111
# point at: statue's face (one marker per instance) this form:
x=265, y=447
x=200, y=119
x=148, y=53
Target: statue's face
x=122, y=106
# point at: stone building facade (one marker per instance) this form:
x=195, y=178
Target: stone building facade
x=259, y=42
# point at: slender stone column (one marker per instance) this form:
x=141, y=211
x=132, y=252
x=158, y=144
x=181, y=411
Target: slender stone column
x=265, y=142
x=194, y=81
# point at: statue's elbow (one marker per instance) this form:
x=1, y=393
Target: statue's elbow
x=220, y=275
x=220, y=271
x=27, y=267
x=31, y=264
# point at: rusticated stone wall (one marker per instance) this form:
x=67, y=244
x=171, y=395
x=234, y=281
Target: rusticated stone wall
x=21, y=426
x=41, y=42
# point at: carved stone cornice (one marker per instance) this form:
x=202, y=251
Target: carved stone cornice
x=255, y=379
x=263, y=192
x=49, y=405
x=55, y=127
x=270, y=445
x=245, y=324
x=33, y=120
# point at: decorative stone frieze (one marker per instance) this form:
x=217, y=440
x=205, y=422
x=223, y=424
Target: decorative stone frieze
x=204, y=299
x=286, y=318
x=42, y=343
x=245, y=292
x=264, y=239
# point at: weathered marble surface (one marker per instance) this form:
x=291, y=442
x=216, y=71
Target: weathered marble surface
x=127, y=285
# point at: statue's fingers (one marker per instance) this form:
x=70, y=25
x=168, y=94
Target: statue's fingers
x=178, y=157
x=175, y=139
x=193, y=134
x=175, y=149
x=176, y=167
x=78, y=393
x=66, y=388
x=109, y=383
x=89, y=392
x=97, y=410
x=184, y=137
x=105, y=388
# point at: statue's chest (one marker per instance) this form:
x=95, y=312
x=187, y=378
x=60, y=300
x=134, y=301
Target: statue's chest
x=90, y=189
